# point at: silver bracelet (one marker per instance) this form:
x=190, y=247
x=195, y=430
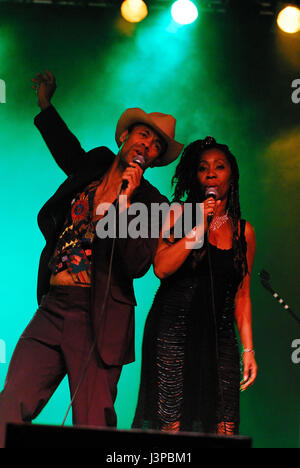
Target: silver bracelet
x=249, y=350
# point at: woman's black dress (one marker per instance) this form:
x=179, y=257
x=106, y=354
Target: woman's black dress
x=190, y=360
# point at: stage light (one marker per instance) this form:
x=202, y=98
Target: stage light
x=184, y=12
x=134, y=11
x=288, y=19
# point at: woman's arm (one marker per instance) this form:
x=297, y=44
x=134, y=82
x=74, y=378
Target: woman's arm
x=170, y=256
x=243, y=314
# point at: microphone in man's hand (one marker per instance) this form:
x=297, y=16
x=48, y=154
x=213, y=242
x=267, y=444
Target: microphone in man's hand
x=211, y=192
x=140, y=160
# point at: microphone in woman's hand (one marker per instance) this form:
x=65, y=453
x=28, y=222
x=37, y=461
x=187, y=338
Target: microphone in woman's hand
x=211, y=192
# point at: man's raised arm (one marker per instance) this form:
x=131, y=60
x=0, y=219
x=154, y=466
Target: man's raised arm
x=63, y=145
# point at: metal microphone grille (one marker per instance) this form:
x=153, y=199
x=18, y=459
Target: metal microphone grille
x=140, y=160
x=211, y=192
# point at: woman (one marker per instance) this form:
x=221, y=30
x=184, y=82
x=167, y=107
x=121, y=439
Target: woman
x=190, y=377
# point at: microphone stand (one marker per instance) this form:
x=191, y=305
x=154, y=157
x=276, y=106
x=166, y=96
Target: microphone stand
x=265, y=281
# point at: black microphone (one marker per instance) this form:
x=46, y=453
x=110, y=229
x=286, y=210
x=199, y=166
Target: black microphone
x=211, y=192
x=140, y=160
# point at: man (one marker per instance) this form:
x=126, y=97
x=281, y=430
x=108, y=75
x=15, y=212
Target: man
x=84, y=326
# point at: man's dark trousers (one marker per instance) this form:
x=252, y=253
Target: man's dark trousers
x=57, y=342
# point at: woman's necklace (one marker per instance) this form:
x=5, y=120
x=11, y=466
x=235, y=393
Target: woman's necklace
x=218, y=221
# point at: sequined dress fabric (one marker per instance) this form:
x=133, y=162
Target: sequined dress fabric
x=190, y=373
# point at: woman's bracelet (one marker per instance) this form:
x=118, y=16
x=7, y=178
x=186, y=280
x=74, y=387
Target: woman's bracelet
x=248, y=350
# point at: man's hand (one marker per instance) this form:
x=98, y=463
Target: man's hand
x=45, y=87
x=133, y=174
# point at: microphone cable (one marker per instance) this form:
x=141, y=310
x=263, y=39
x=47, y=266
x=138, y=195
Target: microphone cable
x=141, y=162
x=104, y=305
x=213, y=304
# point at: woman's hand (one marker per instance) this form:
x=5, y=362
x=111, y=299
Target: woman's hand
x=210, y=206
x=250, y=370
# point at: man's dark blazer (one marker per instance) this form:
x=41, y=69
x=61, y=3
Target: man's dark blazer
x=133, y=257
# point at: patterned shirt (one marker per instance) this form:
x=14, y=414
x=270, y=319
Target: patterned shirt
x=73, y=250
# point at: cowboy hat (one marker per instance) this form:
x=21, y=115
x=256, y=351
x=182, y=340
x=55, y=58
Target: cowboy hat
x=162, y=124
